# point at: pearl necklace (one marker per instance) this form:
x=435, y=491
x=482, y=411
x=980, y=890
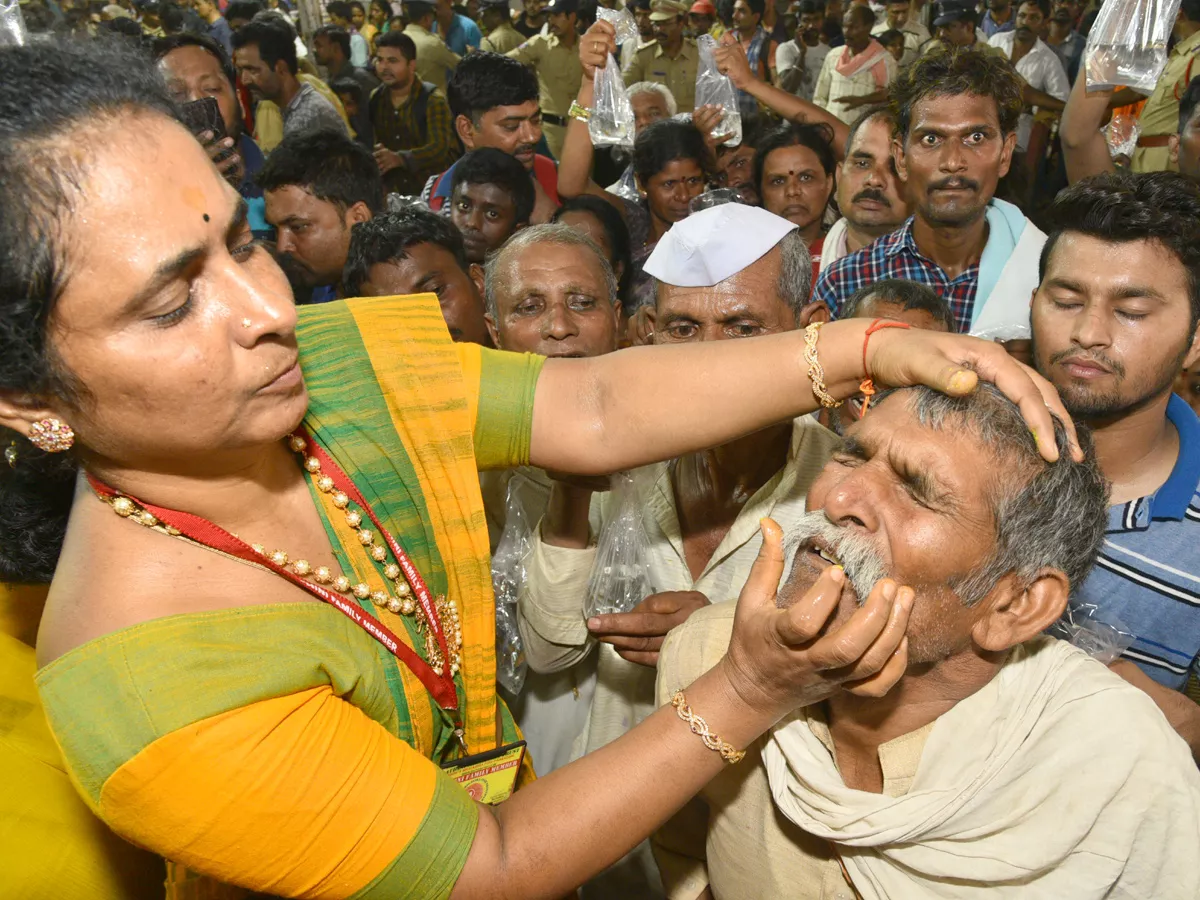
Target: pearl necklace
x=401, y=603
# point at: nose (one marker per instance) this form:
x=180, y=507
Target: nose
x=530, y=133
x=474, y=219
x=953, y=158
x=792, y=188
x=558, y=324
x=853, y=500
x=1091, y=328
x=263, y=308
x=284, y=241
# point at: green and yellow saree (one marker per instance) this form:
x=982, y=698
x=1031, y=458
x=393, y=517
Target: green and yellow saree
x=280, y=748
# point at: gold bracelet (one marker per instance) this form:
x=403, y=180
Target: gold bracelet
x=700, y=728
x=816, y=374
x=582, y=113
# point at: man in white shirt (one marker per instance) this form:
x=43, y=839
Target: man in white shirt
x=1003, y=763
x=858, y=74
x=549, y=291
x=701, y=512
x=805, y=54
x=1046, y=87
x=899, y=17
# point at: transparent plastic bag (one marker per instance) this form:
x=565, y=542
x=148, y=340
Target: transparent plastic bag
x=1101, y=636
x=626, y=186
x=612, y=120
x=508, y=577
x=1122, y=135
x=620, y=580
x=1127, y=45
x=715, y=89
x=12, y=24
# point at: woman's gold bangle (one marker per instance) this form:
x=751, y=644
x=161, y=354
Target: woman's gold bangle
x=700, y=728
x=816, y=374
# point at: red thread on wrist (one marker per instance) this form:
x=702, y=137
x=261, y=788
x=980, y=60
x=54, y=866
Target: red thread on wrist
x=867, y=388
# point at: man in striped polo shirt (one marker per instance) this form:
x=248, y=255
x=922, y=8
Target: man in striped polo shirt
x=1114, y=321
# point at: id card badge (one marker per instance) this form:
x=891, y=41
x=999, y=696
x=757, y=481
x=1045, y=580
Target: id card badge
x=489, y=777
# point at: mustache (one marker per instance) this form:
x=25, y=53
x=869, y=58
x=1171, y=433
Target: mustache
x=872, y=194
x=858, y=554
x=524, y=148
x=953, y=182
x=1095, y=356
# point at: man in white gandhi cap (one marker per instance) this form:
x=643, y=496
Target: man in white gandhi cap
x=723, y=273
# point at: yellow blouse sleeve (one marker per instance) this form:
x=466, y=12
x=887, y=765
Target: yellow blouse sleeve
x=301, y=795
x=500, y=389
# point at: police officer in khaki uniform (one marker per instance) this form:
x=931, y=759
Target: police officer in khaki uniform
x=499, y=34
x=955, y=22
x=435, y=61
x=1160, y=116
x=555, y=58
x=672, y=58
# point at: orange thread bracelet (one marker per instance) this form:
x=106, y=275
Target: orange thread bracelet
x=867, y=388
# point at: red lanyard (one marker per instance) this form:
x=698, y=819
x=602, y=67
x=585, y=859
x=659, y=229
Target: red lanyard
x=207, y=534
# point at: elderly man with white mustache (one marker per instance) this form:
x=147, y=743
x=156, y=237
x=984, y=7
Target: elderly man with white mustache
x=1004, y=763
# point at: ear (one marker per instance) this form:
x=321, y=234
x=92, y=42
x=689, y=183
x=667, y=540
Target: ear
x=1017, y=613
x=1193, y=353
x=491, y=327
x=813, y=312
x=476, y=272
x=18, y=411
x=465, y=131
x=359, y=212
x=899, y=160
x=1173, y=149
x=1006, y=153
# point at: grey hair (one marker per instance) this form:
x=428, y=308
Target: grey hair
x=653, y=87
x=555, y=233
x=1045, y=515
x=795, y=272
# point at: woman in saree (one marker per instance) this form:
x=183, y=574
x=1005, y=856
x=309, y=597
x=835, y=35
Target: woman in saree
x=270, y=621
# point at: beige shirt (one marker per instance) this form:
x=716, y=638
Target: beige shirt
x=650, y=63
x=502, y=39
x=730, y=837
x=832, y=85
x=435, y=61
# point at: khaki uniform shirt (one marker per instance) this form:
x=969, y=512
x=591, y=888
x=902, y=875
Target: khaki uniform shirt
x=1160, y=115
x=731, y=837
x=559, y=75
x=678, y=74
x=502, y=39
x=435, y=61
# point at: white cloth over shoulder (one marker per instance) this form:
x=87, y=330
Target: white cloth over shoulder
x=1057, y=779
x=1008, y=274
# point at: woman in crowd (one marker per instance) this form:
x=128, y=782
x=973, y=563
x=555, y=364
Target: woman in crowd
x=271, y=622
x=378, y=14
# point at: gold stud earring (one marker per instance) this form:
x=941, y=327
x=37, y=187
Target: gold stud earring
x=10, y=454
x=246, y=323
x=51, y=435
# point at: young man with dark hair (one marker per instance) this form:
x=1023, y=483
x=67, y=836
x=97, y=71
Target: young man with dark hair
x=410, y=118
x=457, y=31
x=218, y=28
x=793, y=170
x=318, y=186
x=956, y=117
x=499, y=34
x=554, y=56
x=342, y=15
x=240, y=13
x=265, y=56
x=998, y=18
x=435, y=61
x=416, y=251
x=195, y=66
x=532, y=18
x=494, y=102
x=757, y=44
x=1114, y=321
x=491, y=198
x=806, y=52
x=331, y=48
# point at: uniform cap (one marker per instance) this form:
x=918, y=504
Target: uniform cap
x=714, y=244
x=947, y=11
x=662, y=10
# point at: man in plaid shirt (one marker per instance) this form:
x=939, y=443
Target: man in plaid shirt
x=956, y=123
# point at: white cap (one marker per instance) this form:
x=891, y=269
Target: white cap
x=714, y=244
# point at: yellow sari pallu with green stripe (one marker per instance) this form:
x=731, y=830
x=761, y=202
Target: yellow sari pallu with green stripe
x=280, y=749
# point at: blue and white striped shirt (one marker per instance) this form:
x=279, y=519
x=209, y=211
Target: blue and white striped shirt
x=1148, y=573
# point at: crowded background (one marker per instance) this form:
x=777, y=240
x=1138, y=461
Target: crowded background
x=561, y=179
